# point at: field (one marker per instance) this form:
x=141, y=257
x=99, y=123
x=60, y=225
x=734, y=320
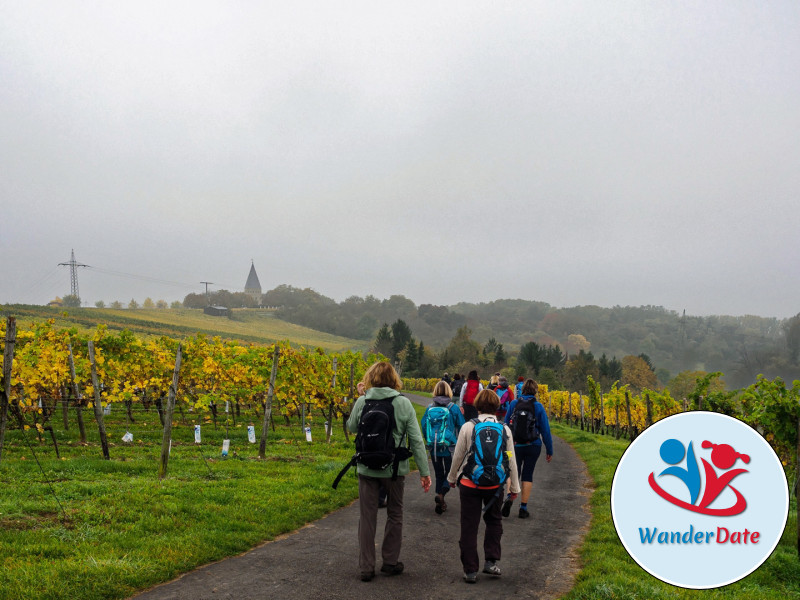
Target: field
x=246, y=325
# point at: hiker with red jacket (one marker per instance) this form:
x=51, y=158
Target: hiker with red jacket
x=469, y=392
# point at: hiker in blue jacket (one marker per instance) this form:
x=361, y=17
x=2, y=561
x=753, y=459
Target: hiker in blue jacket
x=440, y=426
x=527, y=451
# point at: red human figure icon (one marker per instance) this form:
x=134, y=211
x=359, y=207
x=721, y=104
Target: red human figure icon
x=724, y=457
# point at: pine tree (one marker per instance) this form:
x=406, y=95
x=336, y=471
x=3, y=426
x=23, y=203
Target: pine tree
x=383, y=342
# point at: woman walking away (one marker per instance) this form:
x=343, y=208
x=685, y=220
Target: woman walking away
x=506, y=395
x=529, y=425
x=383, y=383
x=483, y=462
x=469, y=391
x=440, y=426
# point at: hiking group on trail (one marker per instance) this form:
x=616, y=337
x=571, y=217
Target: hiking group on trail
x=486, y=444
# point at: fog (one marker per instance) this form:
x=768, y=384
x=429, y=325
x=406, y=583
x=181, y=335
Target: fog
x=625, y=153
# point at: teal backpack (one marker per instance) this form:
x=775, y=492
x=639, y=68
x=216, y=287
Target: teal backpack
x=439, y=435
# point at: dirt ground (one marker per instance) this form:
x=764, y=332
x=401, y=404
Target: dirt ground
x=321, y=560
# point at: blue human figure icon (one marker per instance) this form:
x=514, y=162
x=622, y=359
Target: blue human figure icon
x=672, y=453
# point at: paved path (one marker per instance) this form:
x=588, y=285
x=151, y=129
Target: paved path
x=320, y=561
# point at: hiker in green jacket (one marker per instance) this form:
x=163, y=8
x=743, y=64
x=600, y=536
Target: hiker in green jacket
x=383, y=383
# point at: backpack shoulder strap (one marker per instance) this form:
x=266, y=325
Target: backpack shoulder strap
x=352, y=463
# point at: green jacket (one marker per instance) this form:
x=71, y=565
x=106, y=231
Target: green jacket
x=407, y=430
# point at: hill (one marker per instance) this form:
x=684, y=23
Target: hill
x=742, y=347
x=247, y=325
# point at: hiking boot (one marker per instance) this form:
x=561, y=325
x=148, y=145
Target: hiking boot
x=523, y=513
x=443, y=505
x=470, y=577
x=392, y=569
x=492, y=568
x=507, y=507
x=367, y=575
x=439, y=499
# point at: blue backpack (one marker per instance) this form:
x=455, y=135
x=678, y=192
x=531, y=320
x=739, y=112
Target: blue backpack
x=487, y=464
x=439, y=433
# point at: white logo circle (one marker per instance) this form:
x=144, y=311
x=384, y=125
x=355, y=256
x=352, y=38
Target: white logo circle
x=699, y=500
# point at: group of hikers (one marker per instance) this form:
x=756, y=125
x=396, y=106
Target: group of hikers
x=484, y=441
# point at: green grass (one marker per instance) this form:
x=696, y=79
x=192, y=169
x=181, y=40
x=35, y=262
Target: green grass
x=610, y=574
x=124, y=530
x=247, y=325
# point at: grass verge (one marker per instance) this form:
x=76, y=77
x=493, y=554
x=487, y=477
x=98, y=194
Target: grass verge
x=125, y=531
x=610, y=574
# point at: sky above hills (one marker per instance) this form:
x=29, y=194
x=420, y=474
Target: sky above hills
x=575, y=153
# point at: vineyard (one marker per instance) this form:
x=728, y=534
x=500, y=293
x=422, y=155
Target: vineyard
x=767, y=405
x=60, y=370
x=82, y=509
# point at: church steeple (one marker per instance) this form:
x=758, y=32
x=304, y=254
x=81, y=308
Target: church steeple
x=253, y=287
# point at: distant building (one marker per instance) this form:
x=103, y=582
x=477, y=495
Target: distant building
x=253, y=287
x=217, y=311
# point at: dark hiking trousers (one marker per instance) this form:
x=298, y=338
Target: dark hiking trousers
x=472, y=502
x=441, y=467
x=368, y=490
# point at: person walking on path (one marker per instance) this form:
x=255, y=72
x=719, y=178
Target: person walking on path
x=506, y=395
x=382, y=384
x=469, y=391
x=483, y=497
x=530, y=425
x=440, y=426
x=456, y=386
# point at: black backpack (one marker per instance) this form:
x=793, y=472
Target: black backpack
x=375, y=447
x=523, y=423
x=456, y=387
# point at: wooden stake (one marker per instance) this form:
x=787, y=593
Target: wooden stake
x=98, y=407
x=602, y=416
x=65, y=407
x=262, y=447
x=346, y=413
x=5, y=392
x=649, y=410
x=166, y=440
x=628, y=409
x=76, y=391
x=329, y=430
x=581, y=397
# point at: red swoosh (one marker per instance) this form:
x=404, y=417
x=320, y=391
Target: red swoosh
x=737, y=508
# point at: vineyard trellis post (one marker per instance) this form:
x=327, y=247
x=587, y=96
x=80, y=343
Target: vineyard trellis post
x=569, y=408
x=628, y=409
x=5, y=393
x=98, y=409
x=346, y=413
x=581, y=397
x=602, y=415
x=65, y=408
x=76, y=391
x=649, y=406
x=329, y=426
x=262, y=447
x=616, y=419
x=166, y=440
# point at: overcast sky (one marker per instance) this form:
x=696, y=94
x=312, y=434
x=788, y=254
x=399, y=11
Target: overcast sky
x=608, y=153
